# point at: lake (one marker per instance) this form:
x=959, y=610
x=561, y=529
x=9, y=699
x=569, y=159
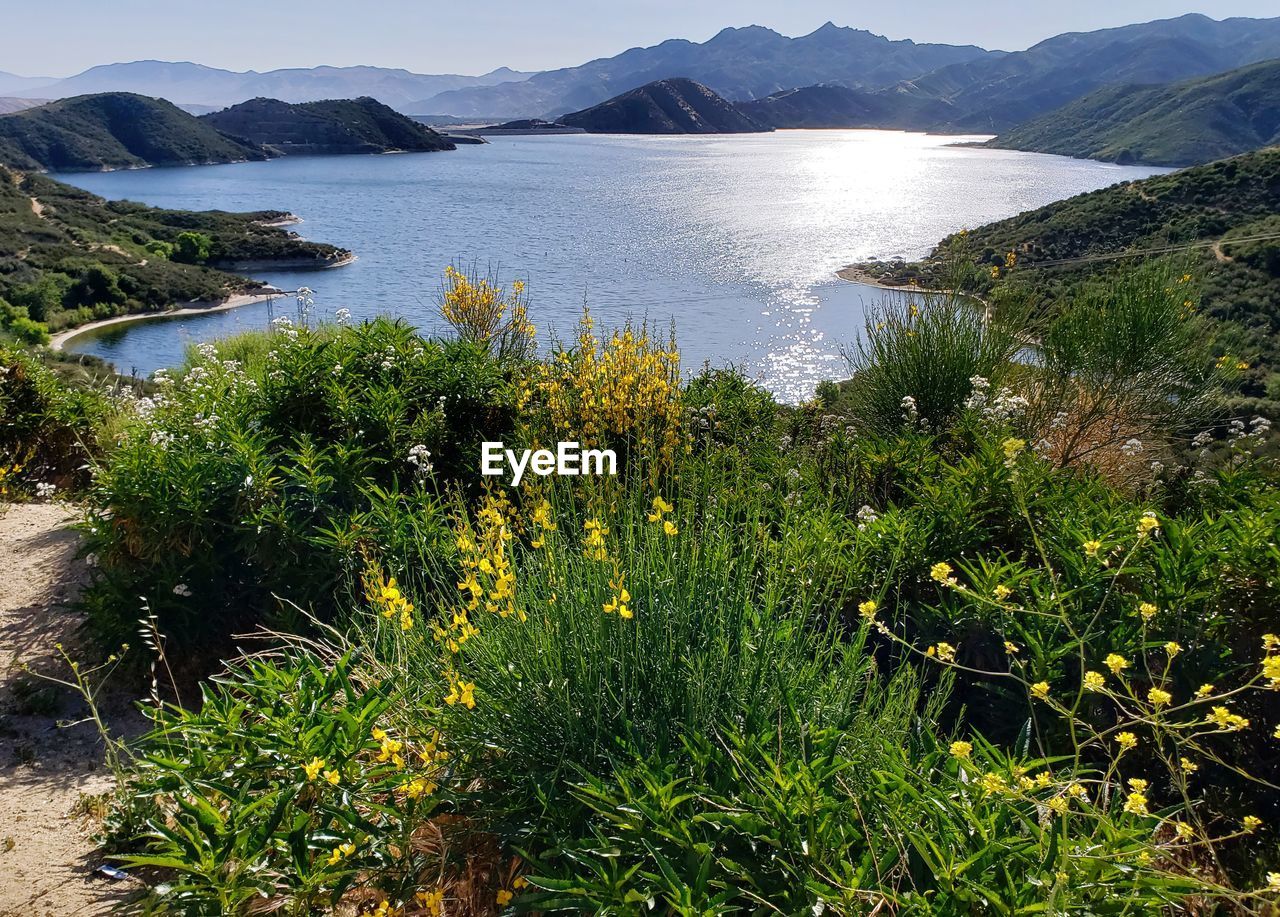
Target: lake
x=735, y=238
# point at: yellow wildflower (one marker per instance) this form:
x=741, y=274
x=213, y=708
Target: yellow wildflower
x=1126, y=741
x=432, y=902
x=1040, y=690
x=941, y=572
x=961, y=749
x=1188, y=766
x=1273, y=881
x=1093, y=681
x=1059, y=805
x=332, y=777
x=1204, y=690
x=868, y=609
x=1223, y=718
x=313, y=768
x=504, y=898
x=1011, y=648
x=946, y=652
x=1002, y=592
x=993, y=783
x=1251, y=823
x=1136, y=803
x=1116, y=663
x=1184, y=831
x=1271, y=671
x=670, y=528
x=1147, y=610
x=1159, y=697
x=1147, y=524
x=1092, y=547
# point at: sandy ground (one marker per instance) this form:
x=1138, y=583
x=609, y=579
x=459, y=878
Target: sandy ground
x=49, y=775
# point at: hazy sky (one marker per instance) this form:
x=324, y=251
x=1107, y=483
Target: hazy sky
x=62, y=37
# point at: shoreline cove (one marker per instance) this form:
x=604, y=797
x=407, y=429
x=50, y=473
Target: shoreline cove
x=58, y=341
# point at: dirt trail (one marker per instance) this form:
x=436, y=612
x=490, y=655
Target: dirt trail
x=49, y=775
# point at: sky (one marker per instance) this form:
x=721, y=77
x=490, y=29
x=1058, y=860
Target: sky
x=57, y=38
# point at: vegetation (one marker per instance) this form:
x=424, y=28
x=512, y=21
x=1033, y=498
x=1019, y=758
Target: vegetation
x=1045, y=259
x=908, y=646
x=1181, y=124
x=68, y=257
x=361, y=125
x=113, y=130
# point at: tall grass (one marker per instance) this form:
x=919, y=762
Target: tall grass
x=914, y=365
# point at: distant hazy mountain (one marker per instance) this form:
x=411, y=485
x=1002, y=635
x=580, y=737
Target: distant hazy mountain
x=194, y=84
x=674, y=106
x=994, y=94
x=1181, y=124
x=12, y=84
x=116, y=130
x=333, y=126
x=746, y=63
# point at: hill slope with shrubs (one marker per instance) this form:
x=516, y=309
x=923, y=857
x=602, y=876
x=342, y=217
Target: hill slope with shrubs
x=333, y=126
x=1217, y=221
x=113, y=130
x=1182, y=124
x=68, y=256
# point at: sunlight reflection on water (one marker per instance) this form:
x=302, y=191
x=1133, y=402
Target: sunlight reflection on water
x=735, y=238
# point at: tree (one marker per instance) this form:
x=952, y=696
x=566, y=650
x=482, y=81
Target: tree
x=192, y=248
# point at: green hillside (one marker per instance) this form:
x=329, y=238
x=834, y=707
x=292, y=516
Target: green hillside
x=113, y=130
x=1189, y=122
x=361, y=125
x=1219, y=205
x=67, y=256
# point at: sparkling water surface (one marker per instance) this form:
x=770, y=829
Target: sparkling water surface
x=735, y=238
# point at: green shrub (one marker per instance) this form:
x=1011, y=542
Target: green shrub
x=48, y=428
x=289, y=785
x=915, y=363
x=244, y=483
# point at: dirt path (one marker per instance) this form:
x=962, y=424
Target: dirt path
x=49, y=776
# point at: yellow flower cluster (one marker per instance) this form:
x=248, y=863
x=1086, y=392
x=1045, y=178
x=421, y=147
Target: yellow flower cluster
x=488, y=576
x=593, y=543
x=618, y=602
x=484, y=313
x=622, y=391
x=460, y=692
x=432, y=902
x=385, y=596
x=660, y=508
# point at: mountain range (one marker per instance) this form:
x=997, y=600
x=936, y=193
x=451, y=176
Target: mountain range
x=1175, y=125
x=201, y=87
x=744, y=63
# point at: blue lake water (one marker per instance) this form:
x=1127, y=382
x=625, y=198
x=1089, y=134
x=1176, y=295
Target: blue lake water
x=735, y=238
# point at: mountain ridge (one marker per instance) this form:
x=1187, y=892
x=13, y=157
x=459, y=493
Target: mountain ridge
x=738, y=63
